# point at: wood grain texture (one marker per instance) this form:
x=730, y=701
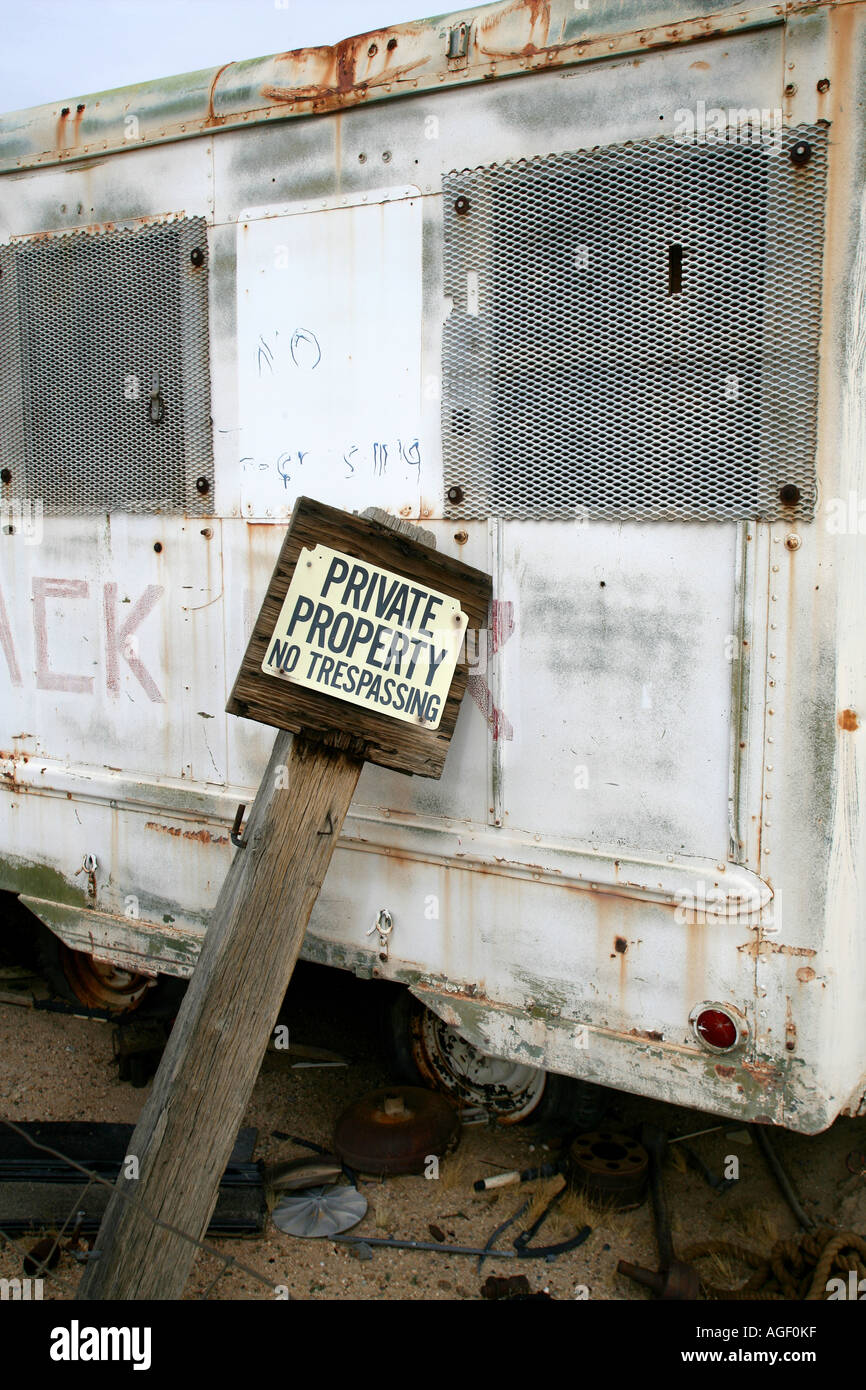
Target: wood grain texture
x=191, y=1119
x=374, y=737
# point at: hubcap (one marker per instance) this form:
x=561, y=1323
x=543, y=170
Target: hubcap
x=510, y=1090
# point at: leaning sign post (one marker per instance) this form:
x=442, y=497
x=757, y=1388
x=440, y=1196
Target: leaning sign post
x=354, y=657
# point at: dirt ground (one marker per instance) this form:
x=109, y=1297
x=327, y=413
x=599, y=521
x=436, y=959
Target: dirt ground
x=58, y=1067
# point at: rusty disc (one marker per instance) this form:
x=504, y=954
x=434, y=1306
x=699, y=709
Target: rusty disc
x=611, y=1167
x=396, y=1130
x=100, y=985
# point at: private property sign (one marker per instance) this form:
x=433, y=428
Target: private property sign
x=358, y=641
x=361, y=633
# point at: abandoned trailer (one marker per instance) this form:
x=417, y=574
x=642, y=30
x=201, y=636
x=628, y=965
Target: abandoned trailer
x=478, y=404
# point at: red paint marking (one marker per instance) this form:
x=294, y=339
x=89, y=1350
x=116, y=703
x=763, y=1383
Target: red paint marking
x=501, y=628
x=501, y=624
x=46, y=679
x=8, y=645
x=117, y=638
x=498, y=722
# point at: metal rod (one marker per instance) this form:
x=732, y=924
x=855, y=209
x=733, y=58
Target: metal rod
x=787, y=1187
x=393, y=1244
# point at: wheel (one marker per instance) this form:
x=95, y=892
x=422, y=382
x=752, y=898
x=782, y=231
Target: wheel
x=423, y=1047
x=78, y=978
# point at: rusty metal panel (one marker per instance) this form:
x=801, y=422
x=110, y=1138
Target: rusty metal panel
x=634, y=330
x=503, y=39
x=109, y=408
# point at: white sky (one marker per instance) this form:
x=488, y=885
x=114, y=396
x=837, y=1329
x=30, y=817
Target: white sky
x=56, y=49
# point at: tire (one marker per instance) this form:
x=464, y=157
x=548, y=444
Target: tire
x=416, y=1043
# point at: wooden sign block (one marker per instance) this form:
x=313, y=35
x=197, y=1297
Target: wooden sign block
x=358, y=640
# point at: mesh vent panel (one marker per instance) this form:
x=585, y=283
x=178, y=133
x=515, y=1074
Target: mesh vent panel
x=104, y=372
x=634, y=332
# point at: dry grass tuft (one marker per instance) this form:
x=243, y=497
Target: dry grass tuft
x=755, y=1227
x=457, y=1170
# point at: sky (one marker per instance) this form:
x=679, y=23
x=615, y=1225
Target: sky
x=56, y=49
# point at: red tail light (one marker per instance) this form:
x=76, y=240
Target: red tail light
x=719, y=1027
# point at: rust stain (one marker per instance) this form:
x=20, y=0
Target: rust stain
x=152, y=220
x=762, y=1072
x=726, y=1073
x=650, y=1034
x=536, y=9
x=345, y=65
x=700, y=65
x=847, y=719
x=333, y=72
x=204, y=837
x=790, y=1027
x=756, y=947
x=620, y=945
x=467, y=992
x=212, y=117
x=805, y=974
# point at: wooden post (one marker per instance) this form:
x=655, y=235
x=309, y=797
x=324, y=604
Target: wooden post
x=190, y=1121
x=188, y=1126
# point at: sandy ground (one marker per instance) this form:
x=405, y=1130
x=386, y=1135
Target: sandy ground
x=62, y=1068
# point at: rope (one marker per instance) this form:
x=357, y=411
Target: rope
x=794, y=1270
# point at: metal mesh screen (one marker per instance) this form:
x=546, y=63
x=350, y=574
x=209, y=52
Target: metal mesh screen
x=634, y=332
x=104, y=371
